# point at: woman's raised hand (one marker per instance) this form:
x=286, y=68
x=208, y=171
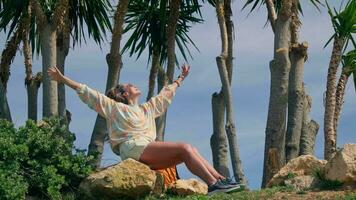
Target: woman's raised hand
x=55, y=74
x=185, y=70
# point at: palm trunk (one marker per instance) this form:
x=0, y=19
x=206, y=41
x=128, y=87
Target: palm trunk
x=171, y=36
x=7, y=57
x=32, y=83
x=298, y=56
x=48, y=38
x=62, y=52
x=230, y=38
x=340, y=93
x=330, y=101
x=4, y=106
x=32, y=87
x=161, y=120
x=224, y=77
x=153, y=73
x=114, y=62
x=218, y=140
x=310, y=128
x=276, y=119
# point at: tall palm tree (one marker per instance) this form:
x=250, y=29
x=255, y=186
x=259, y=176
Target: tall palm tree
x=32, y=82
x=344, y=23
x=113, y=59
x=47, y=18
x=176, y=7
x=348, y=68
x=7, y=57
x=94, y=13
x=296, y=90
x=283, y=17
x=148, y=20
x=7, y=12
x=223, y=99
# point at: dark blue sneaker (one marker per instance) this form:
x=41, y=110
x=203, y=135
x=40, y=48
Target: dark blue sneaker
x=229, y=181
x=218, y=186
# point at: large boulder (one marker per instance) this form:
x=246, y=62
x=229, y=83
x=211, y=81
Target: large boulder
x=302, y=165
x=342, y=166
x=128, y=179
x=188, y=187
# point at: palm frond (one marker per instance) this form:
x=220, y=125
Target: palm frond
x=343, y=22
x=278, y=4
x=146, y=20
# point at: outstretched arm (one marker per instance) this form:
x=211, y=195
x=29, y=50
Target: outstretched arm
x=94, y=99
x=158, y=104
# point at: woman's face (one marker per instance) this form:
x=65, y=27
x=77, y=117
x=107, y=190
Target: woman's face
x=132, y=90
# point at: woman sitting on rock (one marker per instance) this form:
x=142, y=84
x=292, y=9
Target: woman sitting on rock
x=132, y=130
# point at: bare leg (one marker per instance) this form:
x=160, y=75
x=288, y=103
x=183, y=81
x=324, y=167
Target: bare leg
x=158, y=155
x=212, y=170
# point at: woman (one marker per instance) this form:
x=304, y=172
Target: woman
x=132, y=130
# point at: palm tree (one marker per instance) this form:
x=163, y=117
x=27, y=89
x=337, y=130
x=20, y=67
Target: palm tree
x=280, y=66
x=150, y=27
x=113, y=59
x=224, y=64
x=95, y=15
x=284, y=20
x=7, y=57
x=344, y=23
x=8, y=54
x=296, y=90
x=349, y=68
x=32, y=82
x=52, y=16
x=173, y=19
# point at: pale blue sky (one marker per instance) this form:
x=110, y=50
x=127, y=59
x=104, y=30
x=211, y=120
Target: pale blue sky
x=189, y=116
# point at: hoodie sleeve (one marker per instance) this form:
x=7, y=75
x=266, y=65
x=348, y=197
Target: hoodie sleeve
x=159, y=103
x=102, y=104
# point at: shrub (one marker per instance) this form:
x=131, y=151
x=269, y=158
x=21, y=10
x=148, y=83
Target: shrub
x=326, y=184
x=42, y=157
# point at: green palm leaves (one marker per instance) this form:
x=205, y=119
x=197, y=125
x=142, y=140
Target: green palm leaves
x=148, y=20
x=344, y=22
x=94, y=13
x=278, y=4
x=349, y=61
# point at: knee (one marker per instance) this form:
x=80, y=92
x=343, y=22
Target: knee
x=186, y=149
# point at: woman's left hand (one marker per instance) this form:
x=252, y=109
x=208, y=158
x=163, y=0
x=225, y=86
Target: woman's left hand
x=185, y=70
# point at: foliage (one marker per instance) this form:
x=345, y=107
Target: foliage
x=13, y=185
x=291, y=175
x=349, y=61
x=278, y=4
x=94, y=13
x=344, y=22
x=147, y=19
x=326, y=184
x=41, y=159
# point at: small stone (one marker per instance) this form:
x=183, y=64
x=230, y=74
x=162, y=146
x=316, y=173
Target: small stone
x=188, y=187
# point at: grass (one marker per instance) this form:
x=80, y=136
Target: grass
x=244, y=195
x=267, y=193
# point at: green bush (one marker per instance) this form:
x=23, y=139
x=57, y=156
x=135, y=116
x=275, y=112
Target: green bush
x=40, y=160
x=326, y=184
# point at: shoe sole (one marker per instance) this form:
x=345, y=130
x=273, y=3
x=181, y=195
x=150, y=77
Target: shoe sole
x=227, y=190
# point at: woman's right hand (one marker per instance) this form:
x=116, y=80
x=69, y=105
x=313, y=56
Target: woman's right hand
x=55, y=74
